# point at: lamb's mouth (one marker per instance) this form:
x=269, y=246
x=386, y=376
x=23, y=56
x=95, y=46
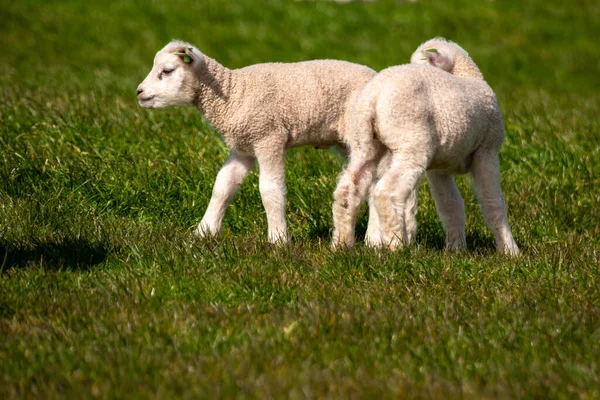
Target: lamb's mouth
x=144, y=100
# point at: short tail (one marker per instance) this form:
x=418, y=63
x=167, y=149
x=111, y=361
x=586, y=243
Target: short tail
x=364, y=128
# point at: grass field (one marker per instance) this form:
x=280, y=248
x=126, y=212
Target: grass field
x=103, y=293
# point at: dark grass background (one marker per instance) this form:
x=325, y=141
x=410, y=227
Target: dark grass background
x=103, y=293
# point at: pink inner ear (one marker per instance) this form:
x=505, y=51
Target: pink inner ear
x=438, y=60
x=434, y=58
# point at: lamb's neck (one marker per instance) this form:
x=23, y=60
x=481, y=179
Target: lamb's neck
x=214, y=89
x=464, y=66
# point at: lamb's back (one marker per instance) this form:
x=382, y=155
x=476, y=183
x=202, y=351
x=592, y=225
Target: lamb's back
x=421, y=106
x=308, y=99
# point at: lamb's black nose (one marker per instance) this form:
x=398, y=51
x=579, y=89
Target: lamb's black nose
x=139, y=91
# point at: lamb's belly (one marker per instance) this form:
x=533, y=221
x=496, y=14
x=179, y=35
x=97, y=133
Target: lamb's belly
x=454, y=151
x=241, y=144
x=451, y=163
x=323, y=138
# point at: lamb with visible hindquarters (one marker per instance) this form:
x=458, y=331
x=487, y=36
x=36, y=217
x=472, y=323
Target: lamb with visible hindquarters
x=260, y=111
x=437, y=121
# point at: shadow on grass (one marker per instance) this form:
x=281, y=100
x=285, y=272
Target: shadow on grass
x=320, y=233
x=429, y=234
x=69, y=254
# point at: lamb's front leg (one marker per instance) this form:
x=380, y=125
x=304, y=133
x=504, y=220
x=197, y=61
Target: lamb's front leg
x=272, y=191
x=228, y=180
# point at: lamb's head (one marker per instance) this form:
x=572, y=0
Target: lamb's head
x=171, y=81
x=446, y=55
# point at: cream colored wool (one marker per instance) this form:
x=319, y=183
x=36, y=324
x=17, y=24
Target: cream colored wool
x=433, y=122
x=261, y=111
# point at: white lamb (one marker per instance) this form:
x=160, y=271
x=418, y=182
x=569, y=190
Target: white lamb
x=260, y=111
x=433, y=122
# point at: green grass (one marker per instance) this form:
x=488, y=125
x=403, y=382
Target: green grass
x=104, y=294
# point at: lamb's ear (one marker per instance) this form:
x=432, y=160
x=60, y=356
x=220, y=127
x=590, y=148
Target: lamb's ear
x=436, y=58
x=432, y=55
x=186, y=54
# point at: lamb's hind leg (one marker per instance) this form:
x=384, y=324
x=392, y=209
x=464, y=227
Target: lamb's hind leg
x=410, y=215
x=373, y=235
x=348, y=197
x=392, y=197
x=486, y=181
x=450, y=208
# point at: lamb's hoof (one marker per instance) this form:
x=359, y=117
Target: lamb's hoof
x=456, y=240
x=282, y=239
x=411, y=234
x=200, y=234
x=455, y=249
x=340, y=245
x=205, y=230
x=394, y=244
x=342, y=241
x=511, y=250
x=373, y=242
x=457, y=245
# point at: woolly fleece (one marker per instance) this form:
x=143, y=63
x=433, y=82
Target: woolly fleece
x=260, y=111
x=431, y=121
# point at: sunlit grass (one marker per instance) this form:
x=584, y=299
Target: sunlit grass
x=105, y=294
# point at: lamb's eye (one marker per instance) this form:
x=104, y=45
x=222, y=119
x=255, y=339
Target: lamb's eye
x=165, y=72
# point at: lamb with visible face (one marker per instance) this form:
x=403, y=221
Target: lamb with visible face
x=261, y=111
x=169, y=83
x=432, y=122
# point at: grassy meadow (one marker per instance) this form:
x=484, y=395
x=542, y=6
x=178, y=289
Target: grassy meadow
x=104, y=293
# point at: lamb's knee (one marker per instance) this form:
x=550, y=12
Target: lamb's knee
x=381, y=193
x=344, y=187
x=272, y=195
x=383, y=200
x=353, y=185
